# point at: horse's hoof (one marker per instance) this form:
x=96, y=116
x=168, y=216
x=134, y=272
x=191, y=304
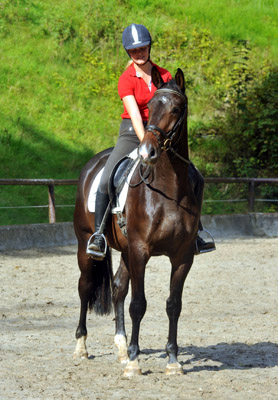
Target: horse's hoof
x=132, y=369
x=81, y=349
x=174, y=369
x=80, y=355
x=123, y=359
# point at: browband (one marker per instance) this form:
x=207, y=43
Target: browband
x=165, y=90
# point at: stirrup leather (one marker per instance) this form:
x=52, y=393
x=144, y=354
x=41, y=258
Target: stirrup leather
x=97, y=255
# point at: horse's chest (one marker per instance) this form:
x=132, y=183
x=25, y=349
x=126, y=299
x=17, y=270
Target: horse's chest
x=173, y=222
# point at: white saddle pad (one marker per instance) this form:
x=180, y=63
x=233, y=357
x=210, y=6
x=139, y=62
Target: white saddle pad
x=122, y=195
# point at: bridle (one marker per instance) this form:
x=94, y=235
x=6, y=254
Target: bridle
x=166, y=144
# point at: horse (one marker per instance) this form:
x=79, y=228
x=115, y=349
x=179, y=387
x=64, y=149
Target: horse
x=162, y=217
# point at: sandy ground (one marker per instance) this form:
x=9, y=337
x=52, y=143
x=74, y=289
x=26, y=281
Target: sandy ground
x=228, y=333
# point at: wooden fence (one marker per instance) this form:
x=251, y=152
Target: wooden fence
x=251, y=182
x=51, y=183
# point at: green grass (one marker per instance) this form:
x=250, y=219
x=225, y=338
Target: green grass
x=256, y=21
x=60, y=62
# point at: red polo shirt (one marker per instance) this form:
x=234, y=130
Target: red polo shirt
x=131, y=84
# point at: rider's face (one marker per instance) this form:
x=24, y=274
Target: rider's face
x=140, y=55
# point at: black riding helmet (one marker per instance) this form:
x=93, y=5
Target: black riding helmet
x=136, y=35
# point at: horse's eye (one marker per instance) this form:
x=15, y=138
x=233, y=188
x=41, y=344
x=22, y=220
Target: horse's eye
x=176, y=110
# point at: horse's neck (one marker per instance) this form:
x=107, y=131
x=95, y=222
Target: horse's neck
x=171, y=176
x=182, y=145
x=171, y=172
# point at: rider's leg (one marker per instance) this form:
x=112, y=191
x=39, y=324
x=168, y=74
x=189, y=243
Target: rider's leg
x=96, y=247
x=127, y=142
x=202, y=246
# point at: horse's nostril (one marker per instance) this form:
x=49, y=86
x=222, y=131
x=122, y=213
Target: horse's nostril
x=153, y=154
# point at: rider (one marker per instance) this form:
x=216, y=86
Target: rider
x=135, y=88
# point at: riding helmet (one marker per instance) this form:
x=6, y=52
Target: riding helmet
x=136, y=35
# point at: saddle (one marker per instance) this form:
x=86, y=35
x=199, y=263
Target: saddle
x=119, y=176
x=118, y=186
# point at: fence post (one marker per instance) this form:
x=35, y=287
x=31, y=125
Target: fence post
x=251, y=196
x=51, y=204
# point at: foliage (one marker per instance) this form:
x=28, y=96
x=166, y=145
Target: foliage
x=245, y=128
x=253, y=125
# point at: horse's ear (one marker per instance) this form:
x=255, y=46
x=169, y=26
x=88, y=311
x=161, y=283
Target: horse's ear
x=156, y=78
x=179, y=78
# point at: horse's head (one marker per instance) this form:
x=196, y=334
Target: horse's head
x=167, y=116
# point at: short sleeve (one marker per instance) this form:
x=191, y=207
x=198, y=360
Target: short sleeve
x=125, y=86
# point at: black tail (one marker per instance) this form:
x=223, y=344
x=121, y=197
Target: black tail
x=101, y=294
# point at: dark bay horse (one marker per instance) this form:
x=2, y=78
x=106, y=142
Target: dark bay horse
x=162, y=217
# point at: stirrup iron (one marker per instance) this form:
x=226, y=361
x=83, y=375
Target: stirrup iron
x=97, y=255
x=199, y=251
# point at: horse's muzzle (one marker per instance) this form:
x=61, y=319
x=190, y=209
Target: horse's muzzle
x=148, y=153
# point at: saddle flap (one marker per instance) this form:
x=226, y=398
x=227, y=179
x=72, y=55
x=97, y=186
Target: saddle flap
x=120, y=173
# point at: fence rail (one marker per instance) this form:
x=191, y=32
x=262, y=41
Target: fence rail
x=252, y=183
x=51, y=183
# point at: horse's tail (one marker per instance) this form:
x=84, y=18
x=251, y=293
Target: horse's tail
x=101, y=295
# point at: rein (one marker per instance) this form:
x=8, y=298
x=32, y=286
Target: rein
x=144, y=176
x=169, y=136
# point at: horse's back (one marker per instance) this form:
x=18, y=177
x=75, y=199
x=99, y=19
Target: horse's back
x=96, y=162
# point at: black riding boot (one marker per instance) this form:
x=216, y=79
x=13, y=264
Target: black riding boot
x=97, y=243
x=201, y=246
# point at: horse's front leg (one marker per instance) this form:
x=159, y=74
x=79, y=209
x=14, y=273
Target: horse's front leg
x=173, y=308
x=120, y=290
x=137, y=309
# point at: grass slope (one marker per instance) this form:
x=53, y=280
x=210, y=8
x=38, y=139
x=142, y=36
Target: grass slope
x=60, y=62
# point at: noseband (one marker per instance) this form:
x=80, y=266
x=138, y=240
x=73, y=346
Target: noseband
x=169, y=136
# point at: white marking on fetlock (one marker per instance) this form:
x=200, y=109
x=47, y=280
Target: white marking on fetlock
x=120, y=342
x=132, y=369
x=81, y=349
x=174, y=369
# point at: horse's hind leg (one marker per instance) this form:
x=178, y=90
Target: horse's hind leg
x=120, y=290
x=173, y=308
x=94, y=290
x=85, y=289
